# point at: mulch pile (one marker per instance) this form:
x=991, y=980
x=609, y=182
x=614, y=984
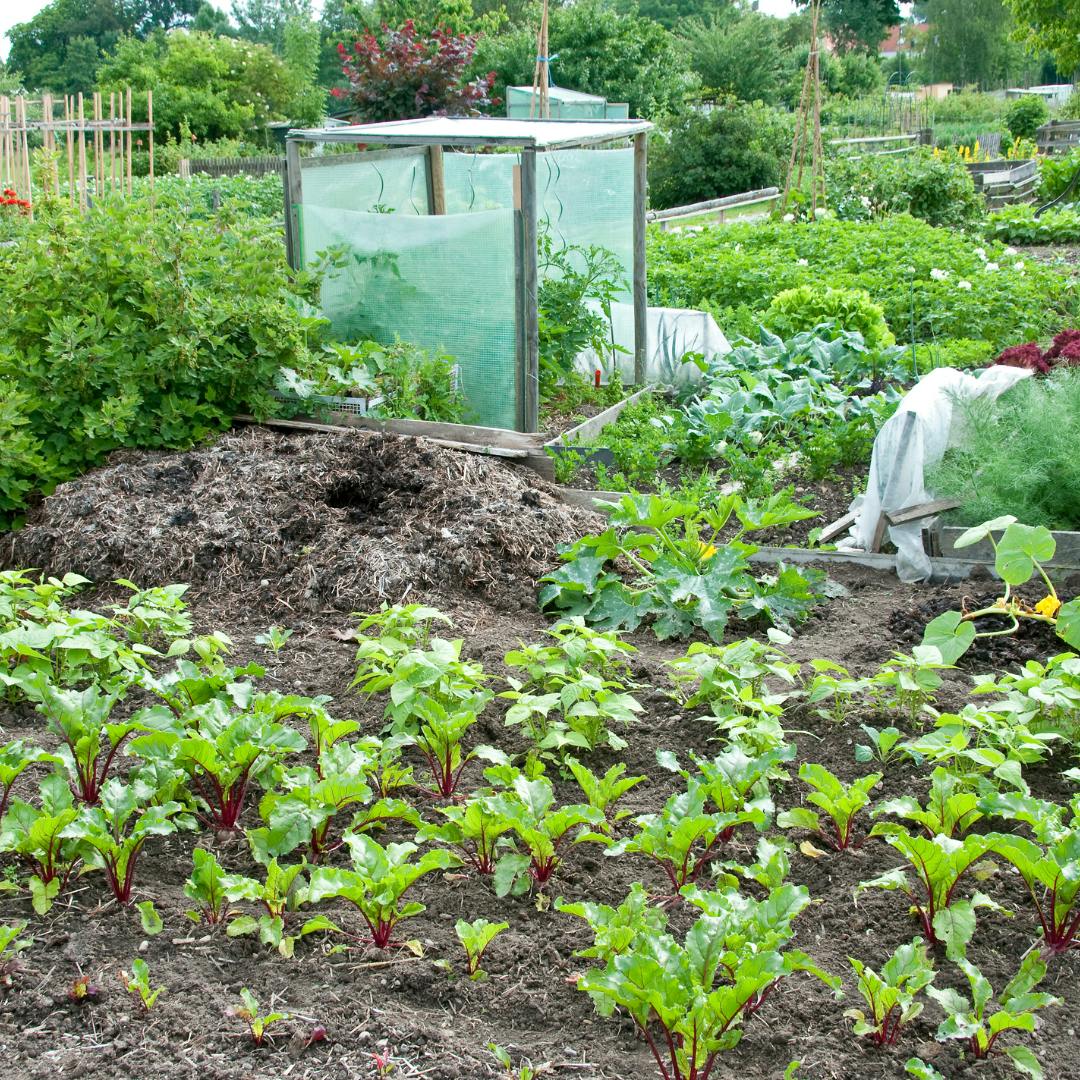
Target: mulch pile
x=314, y=520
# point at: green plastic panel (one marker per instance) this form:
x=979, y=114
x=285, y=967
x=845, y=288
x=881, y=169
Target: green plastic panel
x=397, y=184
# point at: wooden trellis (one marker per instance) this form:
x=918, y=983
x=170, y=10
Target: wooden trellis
x=94, y=135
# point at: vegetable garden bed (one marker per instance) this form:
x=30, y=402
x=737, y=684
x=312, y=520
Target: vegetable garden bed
x=300, y=530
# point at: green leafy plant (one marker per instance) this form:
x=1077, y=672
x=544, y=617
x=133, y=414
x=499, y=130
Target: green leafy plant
x=280, y=895
x=833, y=690
x=477, y=830
x=841, y=805
x=910, y=682
x=891, y=997
x=258, y=1024
x=475, y=937
x=15, y=758
x=882, y=745
x=614, y=928
x=137, y=983
x=709, y=674
x=950, y=810
x=206, y=888
x=967, y=1019
x=377, y=882
x=441, y=732
x=603, y=792
x=274, y=638
x=679, y=580
x=807, y=307
x=11, y=944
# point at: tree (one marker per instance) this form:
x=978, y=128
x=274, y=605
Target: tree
x=222, y=87
x=1051, y=26
x=738, y=52
x=399, y=74
x=669, y=13
x=61, y=46
x=301, y=56
x=969, y=42
x=858, y=25
x=210, y=20
x=264, y=21
x=597, y=50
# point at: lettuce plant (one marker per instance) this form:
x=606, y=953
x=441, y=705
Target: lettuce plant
x=39, y=837
x=967, y=1019
x=112, y=834
x=377, y=881
x=891, y=998
x=840, y=805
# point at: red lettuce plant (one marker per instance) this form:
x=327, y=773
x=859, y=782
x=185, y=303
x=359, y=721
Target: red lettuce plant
x=403, y=74
x=1028, y=355
x=1065, y=345
x=1064, y=351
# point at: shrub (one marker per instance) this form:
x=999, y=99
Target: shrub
x=935, y=188
x=736, y=147
x=918, y=274
x=1026, y=115
x=1055, y=172
x=808, y=306
x=1018, y=455
x=126, y=328
x=1019, y=225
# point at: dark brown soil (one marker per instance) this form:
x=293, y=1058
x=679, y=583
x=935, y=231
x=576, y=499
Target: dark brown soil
x=247, y=573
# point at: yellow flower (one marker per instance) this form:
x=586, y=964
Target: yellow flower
x=706, y=551
x=1048, y=606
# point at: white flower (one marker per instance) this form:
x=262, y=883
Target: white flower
x=802, y=262
x=731, y=487
x=939, y=275
x=865, y=200
x=1010, y=251
x=1019, y=265
x=789, y=218
x=981, y=252
x=990, y=267
x=820, y=212
x=963, y=284
x=737, y=247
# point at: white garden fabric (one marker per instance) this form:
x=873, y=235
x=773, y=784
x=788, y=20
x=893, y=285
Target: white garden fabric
x=914, y=437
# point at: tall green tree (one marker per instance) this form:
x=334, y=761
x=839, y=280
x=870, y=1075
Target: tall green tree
x=669, y=13
x=858, y=25
x=264, y=21
x=969, y=43
x=1051, y=26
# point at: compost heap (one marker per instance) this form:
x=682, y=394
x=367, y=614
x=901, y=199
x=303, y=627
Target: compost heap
x=320, y=521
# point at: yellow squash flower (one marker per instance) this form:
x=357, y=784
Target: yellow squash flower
x=706, y=551
x=1048, y=606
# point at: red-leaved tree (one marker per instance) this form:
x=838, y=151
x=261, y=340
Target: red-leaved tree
x=402, y=74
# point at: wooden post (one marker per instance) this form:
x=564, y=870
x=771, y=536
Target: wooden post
x=129, y=140
x=82, y=154
x=112, y=142
x=99, y=146
x=530, y=382
x=25, y=148
x=70, y=148
x=150, y=133
x=294, y=239
x=436, y=181
x=5, y=169
x=641, y=296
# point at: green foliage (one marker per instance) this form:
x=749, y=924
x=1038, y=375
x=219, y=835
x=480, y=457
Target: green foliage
x=724, y=267
x=1016, y=457
x=892, y=997
x=206, y=888
x=950, y=810
x=603, y=792
x=137, y=983
x=477, y=830
x=966, y=1017
x=377, y=881
x=833, y=690
x=10, y=947
x=841, y=803
x=475, y=937
x=736, y=146
x=679, y=579
x=1026, y=115
x=805, y=308
x=970, y=46
x=217, y=86
x=1019, y=225
x=257, y=1023
x=1056, y=170
x=282, y=892
x=158, y=345
x=936, y=188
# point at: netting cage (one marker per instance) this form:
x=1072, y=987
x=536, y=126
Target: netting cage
x=435, y=226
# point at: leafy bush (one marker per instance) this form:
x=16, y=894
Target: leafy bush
x=934, y=187
x=1055, y=172
x=1018, y=456
x=400, y=73
x=806, y=307
x=919, y=275
x=736, y=147
x=1019, y=225
x=1026, y=115
x=126, y=328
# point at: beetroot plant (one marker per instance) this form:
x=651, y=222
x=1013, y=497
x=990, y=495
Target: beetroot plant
x=475, y=937
x=257, y=1023
x=206, y=889
x=478, y=832
x=892, y=998
x=839, y=803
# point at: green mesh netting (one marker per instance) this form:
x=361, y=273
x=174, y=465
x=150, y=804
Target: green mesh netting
x=478, y=181
x=444, y=283
x=586, y=197
x=394, y=183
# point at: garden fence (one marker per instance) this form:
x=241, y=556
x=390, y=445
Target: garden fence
x=95, y=137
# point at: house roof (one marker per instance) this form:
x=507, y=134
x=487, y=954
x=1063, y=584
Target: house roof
x=478, y=131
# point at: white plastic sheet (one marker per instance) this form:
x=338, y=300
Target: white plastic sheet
x=914, y=437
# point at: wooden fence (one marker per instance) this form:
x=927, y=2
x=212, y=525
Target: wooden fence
x=255, y=166
x=95, y=136
x=1058, y=136
x=714, y=210
x=883, y=144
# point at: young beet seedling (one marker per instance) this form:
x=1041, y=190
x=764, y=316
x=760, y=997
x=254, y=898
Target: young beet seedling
x=10, y=946
x=841, y=805
x=257, y=1024
x=891, y=997
x=475, y=937
x=274, y=638
x=137, y=983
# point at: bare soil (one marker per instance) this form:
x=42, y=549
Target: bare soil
x=301, y=531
